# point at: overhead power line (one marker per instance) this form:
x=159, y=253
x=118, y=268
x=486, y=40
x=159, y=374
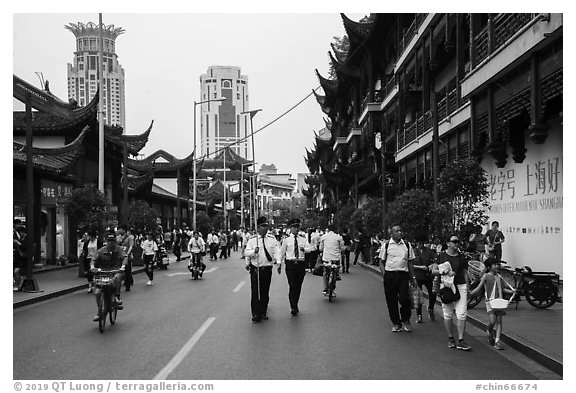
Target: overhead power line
x=261, y=128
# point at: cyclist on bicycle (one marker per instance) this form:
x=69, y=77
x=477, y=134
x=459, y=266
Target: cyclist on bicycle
x=331, y=246
x=110, y=257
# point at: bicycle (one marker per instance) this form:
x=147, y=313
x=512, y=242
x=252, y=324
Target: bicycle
x=476, y=270
x=538, y=288
x=332, y=270
x=107, y=304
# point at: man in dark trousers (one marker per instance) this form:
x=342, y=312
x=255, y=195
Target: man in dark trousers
x=396, y=257
x=292, y=254
x=262, y=251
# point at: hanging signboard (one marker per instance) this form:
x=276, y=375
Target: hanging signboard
x=52, y=192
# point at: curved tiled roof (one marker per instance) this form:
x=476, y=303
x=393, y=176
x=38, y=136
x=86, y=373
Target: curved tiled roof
x=231, y=156
x=51, y=160
x=357, y=33
x=44, y=101
x=135, y=143
x=344, y=70
x=149, y=164
x=141, y=182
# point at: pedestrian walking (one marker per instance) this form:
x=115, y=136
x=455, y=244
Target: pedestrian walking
x=347, y=239
x=361, y=242
x=292, y=255
x=452, y=269
x=125, y=240
x=494, y=288
x=223, y=245
x=425, y=258
x=396, y=258
x=168, y=240
x=92, y=243
x=149, y=249
x=261, y=253
x=177, y=245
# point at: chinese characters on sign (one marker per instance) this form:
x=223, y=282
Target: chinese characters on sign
x=51, y=192
x=542, y=178
x=542, y=230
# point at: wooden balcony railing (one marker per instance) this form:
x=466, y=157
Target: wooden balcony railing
x=506, y=25
x=494, y=36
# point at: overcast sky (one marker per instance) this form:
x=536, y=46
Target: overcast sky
x=163, y=56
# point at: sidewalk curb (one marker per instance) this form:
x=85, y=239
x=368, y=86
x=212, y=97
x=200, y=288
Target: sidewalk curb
x=62, y=292
x=513, y=341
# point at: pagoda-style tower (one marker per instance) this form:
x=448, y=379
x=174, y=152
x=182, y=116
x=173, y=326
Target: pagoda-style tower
x=83, y=73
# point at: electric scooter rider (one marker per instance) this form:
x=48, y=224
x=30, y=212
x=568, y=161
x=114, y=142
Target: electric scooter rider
x=110, y=257
x=197, y=247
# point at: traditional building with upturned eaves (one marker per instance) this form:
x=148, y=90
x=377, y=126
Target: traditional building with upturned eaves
x=416, y=91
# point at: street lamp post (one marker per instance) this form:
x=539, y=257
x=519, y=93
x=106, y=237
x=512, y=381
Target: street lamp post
x=252, y=113
x=194, y=161
x=242, y=192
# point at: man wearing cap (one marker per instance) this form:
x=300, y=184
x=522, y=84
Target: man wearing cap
x=292, y=254
x=262, y=252
x=110, y=257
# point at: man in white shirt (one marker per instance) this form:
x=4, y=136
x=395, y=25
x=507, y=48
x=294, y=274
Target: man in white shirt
x=396, y=257
x=292, y=255
x=331, y=246
x=262, y=251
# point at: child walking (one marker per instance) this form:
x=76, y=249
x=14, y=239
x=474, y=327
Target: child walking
x=493, y=285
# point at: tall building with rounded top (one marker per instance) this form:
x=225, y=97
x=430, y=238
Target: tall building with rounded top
x=83, y=77
x=222, y=122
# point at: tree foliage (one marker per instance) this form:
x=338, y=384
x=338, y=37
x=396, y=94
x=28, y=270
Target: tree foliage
x=86, y=208
x=463, y=188
x=368, y=218
x=412, y=210
x=342, y=217
x=342, y=44
x=141, y=216
x=203, y=223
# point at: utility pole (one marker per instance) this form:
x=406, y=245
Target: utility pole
x=101, y=110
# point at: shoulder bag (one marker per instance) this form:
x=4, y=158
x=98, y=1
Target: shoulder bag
x=447, y=295
x=497, y=303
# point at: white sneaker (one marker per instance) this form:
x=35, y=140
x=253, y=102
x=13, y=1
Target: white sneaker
x=150, y=283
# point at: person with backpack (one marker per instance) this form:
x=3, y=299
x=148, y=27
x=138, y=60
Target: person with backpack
x=396, y=257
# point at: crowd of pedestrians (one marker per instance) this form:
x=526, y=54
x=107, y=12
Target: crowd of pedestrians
x=428, y=263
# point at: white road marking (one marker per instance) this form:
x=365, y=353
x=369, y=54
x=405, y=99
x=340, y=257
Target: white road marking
x=179, y=357
x=177, y=274
x=212, y=269
x=239, y=286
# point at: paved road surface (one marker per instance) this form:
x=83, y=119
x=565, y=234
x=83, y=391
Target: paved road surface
x=186, y=330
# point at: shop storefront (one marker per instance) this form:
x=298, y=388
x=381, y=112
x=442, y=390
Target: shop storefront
x=527, y=200
x=53, y=221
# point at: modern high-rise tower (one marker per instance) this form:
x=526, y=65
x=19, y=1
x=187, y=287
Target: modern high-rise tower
x=222, y=122
x=83, y=74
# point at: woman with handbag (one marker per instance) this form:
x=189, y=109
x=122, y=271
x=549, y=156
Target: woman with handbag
x=496, y=305
x=459, y=304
